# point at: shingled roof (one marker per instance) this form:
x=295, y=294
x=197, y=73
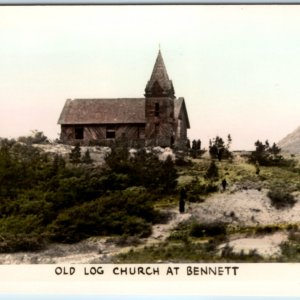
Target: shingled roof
x=103, y=111
x=159, y=75
x=179, y=105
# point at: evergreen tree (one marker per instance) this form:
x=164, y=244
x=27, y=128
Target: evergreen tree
x=196, y=149
x=169, y=175
x=218, y=149
x=198, y=145
x=57, y=164
x=213, y=171
x=265, y=155
x=75, y=155
x=87, y=157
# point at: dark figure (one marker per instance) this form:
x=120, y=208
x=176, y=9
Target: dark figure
x=181, y=206
x=182, y=200
x=257, y=169
x=224, y=184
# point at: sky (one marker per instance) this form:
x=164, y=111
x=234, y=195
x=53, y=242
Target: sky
x=237, y=66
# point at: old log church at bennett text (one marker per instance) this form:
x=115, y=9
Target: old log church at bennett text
x=158, y=119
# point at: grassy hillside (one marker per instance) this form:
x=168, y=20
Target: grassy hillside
x=47, y=198
x=200, y=240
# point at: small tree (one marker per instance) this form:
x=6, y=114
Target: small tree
x=58, y=163
x=281, y=199
x=169, y=175
x=196, y=149
x=87, y=157
x=265, y=155
x=36, y=137
x=213, y=171
x=75, y=155
x=218, y=149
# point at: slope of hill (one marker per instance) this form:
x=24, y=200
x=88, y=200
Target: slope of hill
x=291, y=143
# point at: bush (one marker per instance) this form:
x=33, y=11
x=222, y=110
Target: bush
x=21, y=242
x=144, y=169
x=267, y=230
x=196, y=189
x=208, y=230
x=128, y=212
x=75, y=155
x=20, y=233
x=281, y=199
x=37, y=137
x=267, y=155
x=218, y=149
x=213, y=171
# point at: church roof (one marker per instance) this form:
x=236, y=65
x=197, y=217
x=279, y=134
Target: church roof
x=179, y=106
x=103, y=111
x=160, y=76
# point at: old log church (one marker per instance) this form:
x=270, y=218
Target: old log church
x=158, y=119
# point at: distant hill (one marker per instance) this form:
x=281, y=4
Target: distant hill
x=291, y=143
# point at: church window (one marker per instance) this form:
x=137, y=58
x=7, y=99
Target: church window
x=79, y=133
x=110, y=132
x=156, y=129
x=156, y=112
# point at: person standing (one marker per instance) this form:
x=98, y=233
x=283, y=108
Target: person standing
x=224, y=184
x=182, y=200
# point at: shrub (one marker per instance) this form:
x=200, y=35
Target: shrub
x=208, y=230
x=267, y=155
x=87, y=157
x=128, y=212
x=144, y=169
x=218, y=149
x=228, y=254
x=267, y=230
x=196, y=189
x=75, y=155
x=37, y=137
x=281, y=199
x=21, y=242
x=213, y=171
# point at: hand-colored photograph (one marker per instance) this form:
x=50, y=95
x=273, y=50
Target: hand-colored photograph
x=149, y=134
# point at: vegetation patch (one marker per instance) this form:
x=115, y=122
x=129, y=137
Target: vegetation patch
x=208, y=230
x=170, y=252
x=281, y=199
x=44, y=198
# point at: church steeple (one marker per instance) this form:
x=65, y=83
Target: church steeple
x=159, y=84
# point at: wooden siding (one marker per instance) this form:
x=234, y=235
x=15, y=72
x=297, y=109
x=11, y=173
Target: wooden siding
x=96, y=134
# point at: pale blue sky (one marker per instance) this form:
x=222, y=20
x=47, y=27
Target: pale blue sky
x=238, y=67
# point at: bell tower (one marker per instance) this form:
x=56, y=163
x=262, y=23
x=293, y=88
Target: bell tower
x=160, y=95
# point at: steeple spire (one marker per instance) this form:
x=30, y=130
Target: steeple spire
x=159, y=84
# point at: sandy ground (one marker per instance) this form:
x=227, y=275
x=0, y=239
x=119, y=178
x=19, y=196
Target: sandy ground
x=266, y=246
x=248, y=208
x=243, y=208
